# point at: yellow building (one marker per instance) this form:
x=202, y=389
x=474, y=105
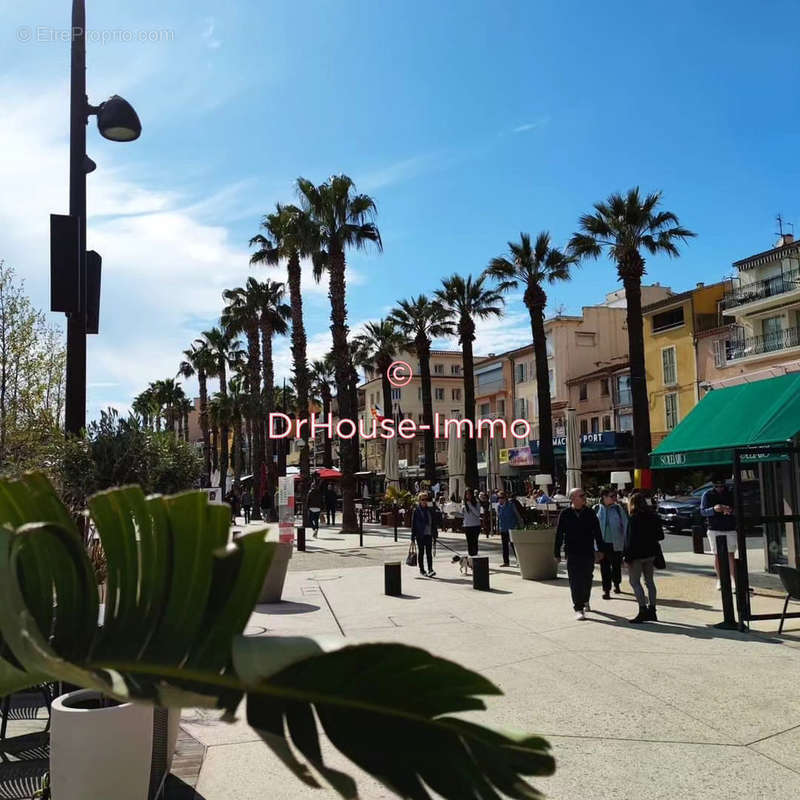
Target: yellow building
x=670, y=335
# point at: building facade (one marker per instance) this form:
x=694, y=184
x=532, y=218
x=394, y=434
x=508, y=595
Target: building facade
x=671, y=329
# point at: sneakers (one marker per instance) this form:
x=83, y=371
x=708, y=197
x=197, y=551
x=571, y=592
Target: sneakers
x=580, y=615
x=586, y=608
x=432, y=574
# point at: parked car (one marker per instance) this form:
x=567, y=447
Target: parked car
x=680, y=514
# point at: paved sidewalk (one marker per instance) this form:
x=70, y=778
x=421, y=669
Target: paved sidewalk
x=671, y=710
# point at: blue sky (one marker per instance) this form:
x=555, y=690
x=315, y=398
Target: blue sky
x=467, y=121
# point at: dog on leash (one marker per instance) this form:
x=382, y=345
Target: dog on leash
x=464, y=563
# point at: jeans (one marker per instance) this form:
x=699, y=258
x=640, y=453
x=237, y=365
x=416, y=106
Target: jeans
x=472, y=532
x=331, y=512
x=610, y=567
x=425, y=546
x=313, y=518
x=505, y=538
x=580, y=572
x=636, y=568
x=246, y=510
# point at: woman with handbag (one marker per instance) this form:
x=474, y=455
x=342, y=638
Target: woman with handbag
x=642, y=552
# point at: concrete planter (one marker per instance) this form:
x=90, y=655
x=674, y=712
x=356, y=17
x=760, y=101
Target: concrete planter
x=121, y=751
x=272, y=589
x=535, y=553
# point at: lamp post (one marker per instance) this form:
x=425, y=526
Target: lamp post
x=118, y=122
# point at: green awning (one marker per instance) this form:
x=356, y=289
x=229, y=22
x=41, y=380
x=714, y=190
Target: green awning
x=758, y=413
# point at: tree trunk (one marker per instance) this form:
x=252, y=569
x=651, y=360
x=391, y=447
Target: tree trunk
x=301, y=380
x=269, y=405
x=326, y=410
x=546, y=457
x=423, y=347
x=255, y=450
x=214, y=449
x=224, y=431
x=186, y=424
x=343, y=368
x=357, y=466
x=202, y=380
x=639, y=398
x=470, y=445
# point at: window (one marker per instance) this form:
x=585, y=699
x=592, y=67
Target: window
x=606, y=423
x=521, y=408
x=719, y=352
x=551, y=374
x=456, y=394
x=549, y=345
x=438, y=369
x=668, y=364
x=584, y=427
x=421, y=419
x=455, y=369
x=595, y=425
x=668, y=319
x=583, y=391
x=397, y=394
x=671, y=409
x=604, y=387
x=771, y=329
x=501, y=406
x=438, y=394
x=626, y=422
x=455, y=413
x=584, y=339
x=486, y=409
x=522, y=373
x=441, y=445
x=624, y=391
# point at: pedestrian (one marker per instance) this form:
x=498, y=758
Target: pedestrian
x=507, y=519
x=472, y=521
x=579, y=533
x=613, y=519
x=247, y=504
x=266, y=506
x=486, y=513
x=235, y=504
x=717, y=506
x=423, y=531
x=331, y=501
x=641, y=548
x=314, y=503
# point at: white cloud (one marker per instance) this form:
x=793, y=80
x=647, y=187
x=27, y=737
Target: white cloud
x=209, y=26
x=531, y=126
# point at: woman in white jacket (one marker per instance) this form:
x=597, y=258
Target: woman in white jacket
x=472, y=521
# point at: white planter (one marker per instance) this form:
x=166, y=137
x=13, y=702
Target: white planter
x=535, y=553
x=108, y=752
x=272, y=589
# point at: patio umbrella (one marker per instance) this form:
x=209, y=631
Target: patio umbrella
x=493, y=464
x=455, y=464
x=573, y=451
x=391, y=465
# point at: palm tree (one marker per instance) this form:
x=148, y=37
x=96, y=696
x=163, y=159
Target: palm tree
x=322, y=375
x=466, y=300
x=378, y=346
x=226, y=353
x=144, y=404
x=421, y=320
x=237, y=405
x=200, y=361
x=532, y=266
x=626, y=225
x=342, y=220
x=290, y=237
x=186, y=408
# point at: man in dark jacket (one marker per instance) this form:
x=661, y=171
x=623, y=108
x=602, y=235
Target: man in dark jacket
x=717, y=506
x=424, y=530
x=579, y=533
x=314, y=504
x=331, y=500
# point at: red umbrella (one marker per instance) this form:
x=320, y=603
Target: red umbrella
x=325, y=475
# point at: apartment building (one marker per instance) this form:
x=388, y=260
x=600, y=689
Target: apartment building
x=758, y=331
x=447, y=394
x=671, y=329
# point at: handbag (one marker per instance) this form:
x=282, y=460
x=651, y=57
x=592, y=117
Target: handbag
x=411, y=558
x=658, y=561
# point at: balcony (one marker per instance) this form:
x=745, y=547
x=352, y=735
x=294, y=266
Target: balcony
x=761, y=290
x=490, y=387
x=748, y=346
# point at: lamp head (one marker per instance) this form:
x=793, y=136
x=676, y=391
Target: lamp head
x=117, y=120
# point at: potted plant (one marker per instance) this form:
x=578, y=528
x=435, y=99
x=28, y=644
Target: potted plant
x=534, y=545
x=179, y=598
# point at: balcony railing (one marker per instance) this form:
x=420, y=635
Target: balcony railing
x=759, y=290
x=768, y=343
x=490, y=387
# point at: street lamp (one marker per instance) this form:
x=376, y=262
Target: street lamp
x=118, y=122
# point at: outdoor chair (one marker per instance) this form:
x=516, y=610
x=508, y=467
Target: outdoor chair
x=790, y=578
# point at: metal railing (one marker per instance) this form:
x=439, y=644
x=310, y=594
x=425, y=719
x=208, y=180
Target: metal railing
x=758, y=290
x=767, y=343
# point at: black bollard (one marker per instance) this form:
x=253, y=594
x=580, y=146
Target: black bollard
x=361, y=527
x=729, y=617
x=395, y=523
x=698, y=534
x=392, y=576
x=480, y=573
x=301, y=539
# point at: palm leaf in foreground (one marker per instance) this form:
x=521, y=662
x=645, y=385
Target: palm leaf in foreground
x=173, y=637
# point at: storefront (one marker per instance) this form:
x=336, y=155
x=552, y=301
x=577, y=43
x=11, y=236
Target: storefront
x=762, y=414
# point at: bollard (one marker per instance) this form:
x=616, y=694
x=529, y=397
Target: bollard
x=360, y=527
x=480, y=573
x=395, y=523
x=301, y=539
x=742, y=595
x=392, y=576
x=729, y=618
x=698, y=534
